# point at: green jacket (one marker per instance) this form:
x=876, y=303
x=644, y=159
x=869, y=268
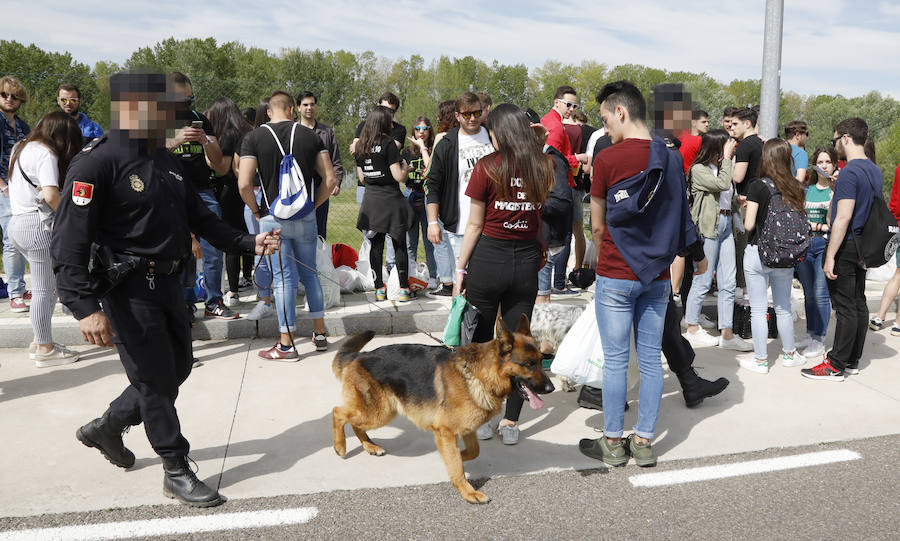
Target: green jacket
x=705, y=189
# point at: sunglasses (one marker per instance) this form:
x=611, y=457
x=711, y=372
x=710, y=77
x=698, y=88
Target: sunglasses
x=425, y=128
x=469, y=114
x=569, y=104
x=6, y=96
x=189, y=100
x=836, y=139
x=66, y=101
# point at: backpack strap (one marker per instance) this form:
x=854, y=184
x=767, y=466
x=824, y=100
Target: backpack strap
x=277, y=141
x=291, y=144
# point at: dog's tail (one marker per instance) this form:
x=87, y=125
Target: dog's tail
x=352, y=345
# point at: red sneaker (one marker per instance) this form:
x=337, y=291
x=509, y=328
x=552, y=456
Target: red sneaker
x=17, y=305
x=824, y=371
x=27, y=296
x=275, y=353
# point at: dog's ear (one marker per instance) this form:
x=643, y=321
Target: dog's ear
x=500, y=330
x=524, y=326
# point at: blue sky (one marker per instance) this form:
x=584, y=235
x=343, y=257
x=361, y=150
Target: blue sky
x=830, y=46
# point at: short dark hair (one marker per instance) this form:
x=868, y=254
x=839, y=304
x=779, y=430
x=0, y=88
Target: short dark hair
x=68, y=87
x=136, y=81
x=580, y=116
x=178, y=78
x=730, y=111
x=627, y=95
x=697, y=114
x=281, y=100
x=563, y=90
x=746, y=113
x=391, y=98
x=485, y=98
x=795, y=127
x=307, y=94
x=467, y=99
x=855, y=127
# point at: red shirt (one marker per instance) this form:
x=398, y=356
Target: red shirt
x=559, y=140
x=516, y=219
x=616, y=163
x=690, y=146
x=895, y=194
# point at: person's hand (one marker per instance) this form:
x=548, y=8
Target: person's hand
x=336, y=190
x=701, y=266
x=196, y=249
x=96, y=329
x=416, y=141
x=267, y=243
x=458, y=288
x=189, y=135
x=730, y=145
x=828, y=267
x=540, y=131
x=742, y=199
x=353, y=148
x=583, y=158
x=834, y=175
x=434, y=234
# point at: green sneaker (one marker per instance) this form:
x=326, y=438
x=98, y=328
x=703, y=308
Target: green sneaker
x=601, y=449
x=641, y=452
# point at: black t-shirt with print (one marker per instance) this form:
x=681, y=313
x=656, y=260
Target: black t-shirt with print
x=416, y=178
x=749, y=151
x=758, y=193
x=376, y=165
x=193, y=158
x=260, y=144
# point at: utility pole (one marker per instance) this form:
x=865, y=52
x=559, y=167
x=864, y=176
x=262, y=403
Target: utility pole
x=770, y=95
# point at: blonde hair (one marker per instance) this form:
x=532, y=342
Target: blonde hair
x=16, y=87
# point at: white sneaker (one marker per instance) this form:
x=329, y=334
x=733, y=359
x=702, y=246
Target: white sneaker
x=801, y=343
x=432, y=284
x=815, y=349
x=705, y=322
x=231, y=299
x=510, y=434
x=58, y=356
x=261, y=311
x=792, y=359
x=485, y=431
x=700, y=339
x=748, y=361
x=735, y=343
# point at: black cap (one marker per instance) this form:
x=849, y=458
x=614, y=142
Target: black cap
x=143, y=82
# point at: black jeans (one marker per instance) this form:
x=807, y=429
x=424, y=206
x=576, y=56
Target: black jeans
x=401, y=259
x=502, y=276
x=848, y=298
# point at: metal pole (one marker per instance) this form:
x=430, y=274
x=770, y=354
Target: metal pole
x=770, y=95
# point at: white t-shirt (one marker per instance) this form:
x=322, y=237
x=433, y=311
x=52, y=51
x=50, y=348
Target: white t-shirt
x=471, y=149
x=42, y=167
x=724, y=197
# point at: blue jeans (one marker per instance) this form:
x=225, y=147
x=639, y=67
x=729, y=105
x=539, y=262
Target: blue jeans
x=262, y=275
x=720, y=256
x=412, y=236
x=212, y=258
x=622, y=305
x=13, y=260
x=298, y=240
x=445, y=261
x=554, y=271
x=815, y=289
x=759, y=277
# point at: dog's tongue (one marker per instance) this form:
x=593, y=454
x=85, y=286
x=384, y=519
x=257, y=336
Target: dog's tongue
x=533, y=400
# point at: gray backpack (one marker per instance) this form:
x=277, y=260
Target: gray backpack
x=784, y=237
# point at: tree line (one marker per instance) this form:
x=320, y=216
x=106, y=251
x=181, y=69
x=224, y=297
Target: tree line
x=347, y=85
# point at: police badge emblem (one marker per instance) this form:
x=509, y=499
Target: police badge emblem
x=136, y=183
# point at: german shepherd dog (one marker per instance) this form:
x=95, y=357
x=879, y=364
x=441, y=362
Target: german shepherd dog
x=450, y=392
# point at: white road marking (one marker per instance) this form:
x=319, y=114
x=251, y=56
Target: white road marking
x=167, y=526
x=722, y=471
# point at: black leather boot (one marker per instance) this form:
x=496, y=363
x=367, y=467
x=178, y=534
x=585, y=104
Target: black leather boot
x=592, y=398
x=695, y=388
x=105, y=434
x=181, y=484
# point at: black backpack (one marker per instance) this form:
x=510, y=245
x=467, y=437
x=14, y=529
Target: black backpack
x=878, y=242
x=784, y=236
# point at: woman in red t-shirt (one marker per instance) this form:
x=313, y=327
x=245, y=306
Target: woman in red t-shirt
x=500, y=255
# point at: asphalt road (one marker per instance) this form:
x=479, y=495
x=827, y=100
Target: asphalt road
x=842, y=500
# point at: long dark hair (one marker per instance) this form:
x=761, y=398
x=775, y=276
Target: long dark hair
x=377, y=127
x=832, y=153
x=776, y=165
x=446, y=119
x=262, y=113
x=227, y=120
x=61, y=134
x=712, y=150
x=429, y=137
x=520, y=154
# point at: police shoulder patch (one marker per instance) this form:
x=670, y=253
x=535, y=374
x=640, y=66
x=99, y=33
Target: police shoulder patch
x=93, y=143
x=82, y=193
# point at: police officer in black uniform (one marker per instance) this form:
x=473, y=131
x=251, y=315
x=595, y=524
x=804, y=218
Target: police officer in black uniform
x=125, y=194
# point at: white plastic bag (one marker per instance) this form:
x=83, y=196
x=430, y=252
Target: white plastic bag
x=418, y=277
x=348, y=278
x=366, y=279
x=883, y=273
x=590, y=254
x=328, y=277
x=393, y=284
x=580, y=355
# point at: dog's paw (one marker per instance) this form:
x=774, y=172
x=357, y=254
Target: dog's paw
x=476, y=496
x=341, y=450
x=373, y=449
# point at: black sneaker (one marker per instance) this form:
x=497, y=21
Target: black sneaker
x=220, y=311
x=823, y=371
x=443, y=292
x=244, y=283
x=320, y=342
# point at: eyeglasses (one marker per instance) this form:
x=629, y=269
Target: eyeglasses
x=67, y=101
x=469, y=114
x=569, y=104
x=189, y=100
x=6, y=96
x=425, y=128
x=836, y=139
